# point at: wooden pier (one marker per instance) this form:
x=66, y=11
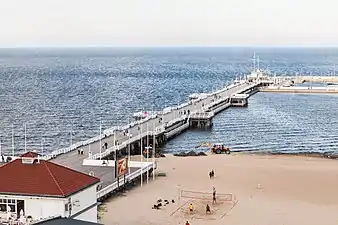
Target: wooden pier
x=97, y=155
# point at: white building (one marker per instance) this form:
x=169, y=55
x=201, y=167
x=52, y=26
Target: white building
x=41, y=189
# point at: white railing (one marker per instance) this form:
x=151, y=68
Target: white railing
x=110, y=188
x=210, y=105
x=107, y=132
x=177, y=130
x=124, y=144
x=202, y=114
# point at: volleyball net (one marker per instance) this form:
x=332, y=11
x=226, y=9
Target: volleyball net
x=197, y=195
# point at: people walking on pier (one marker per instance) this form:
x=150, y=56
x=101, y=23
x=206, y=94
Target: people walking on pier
x=106, y=145
x=80, y=151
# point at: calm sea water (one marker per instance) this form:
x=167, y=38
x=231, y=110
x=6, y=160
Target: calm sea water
x=56, y=91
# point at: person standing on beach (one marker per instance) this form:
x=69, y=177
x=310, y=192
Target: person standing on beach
x=207, y=209
x=191, y=209
x=187, y=223
x=213, y=195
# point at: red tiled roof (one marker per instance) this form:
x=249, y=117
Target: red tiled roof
x=30, y=154
x=42, y=179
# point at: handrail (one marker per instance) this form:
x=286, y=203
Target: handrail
x=129, y=177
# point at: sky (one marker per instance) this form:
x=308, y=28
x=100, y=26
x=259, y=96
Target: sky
x=76, y=23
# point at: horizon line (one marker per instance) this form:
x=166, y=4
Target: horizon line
x=165, y=46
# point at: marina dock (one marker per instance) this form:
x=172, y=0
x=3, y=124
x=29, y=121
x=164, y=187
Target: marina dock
x=97, y=155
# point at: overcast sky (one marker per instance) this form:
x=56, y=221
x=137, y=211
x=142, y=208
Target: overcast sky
x=167, y=22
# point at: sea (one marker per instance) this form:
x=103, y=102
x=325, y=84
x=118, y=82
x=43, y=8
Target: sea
x=61, y=94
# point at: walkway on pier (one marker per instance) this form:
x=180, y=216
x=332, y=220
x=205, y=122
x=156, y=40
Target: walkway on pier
x=73, y=160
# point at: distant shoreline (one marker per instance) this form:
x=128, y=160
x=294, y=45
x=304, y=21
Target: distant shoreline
x=328, y=155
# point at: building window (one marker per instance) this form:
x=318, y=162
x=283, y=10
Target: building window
x=7, y=202
x=3, y=207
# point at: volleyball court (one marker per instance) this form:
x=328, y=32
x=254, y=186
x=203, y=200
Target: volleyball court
x=224, y=203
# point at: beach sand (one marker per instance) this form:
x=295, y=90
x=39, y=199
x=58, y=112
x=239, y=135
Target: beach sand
x=268, y=190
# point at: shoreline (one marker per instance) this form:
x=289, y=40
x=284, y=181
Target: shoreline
x=326, y=155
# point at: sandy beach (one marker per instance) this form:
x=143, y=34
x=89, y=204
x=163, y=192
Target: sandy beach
x=265, y=189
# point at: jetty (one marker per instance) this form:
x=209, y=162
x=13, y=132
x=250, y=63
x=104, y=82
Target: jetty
x=97, y=156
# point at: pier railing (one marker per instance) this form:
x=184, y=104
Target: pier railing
x=107, y=132
x=201, y=115
x=106, y=190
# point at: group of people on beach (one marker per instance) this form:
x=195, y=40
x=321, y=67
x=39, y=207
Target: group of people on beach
x=207, y=207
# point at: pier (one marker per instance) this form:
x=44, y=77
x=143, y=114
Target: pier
x=97, y=155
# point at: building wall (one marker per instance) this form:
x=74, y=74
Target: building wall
x=86, y=199
x=90, y=215
x=42, y=207
x=39, y=207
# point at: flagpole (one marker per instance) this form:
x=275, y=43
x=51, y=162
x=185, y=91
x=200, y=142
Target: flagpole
x=115, y=146
x=141, y=149
x=101, y=139
x=147, y=154
x=71, y=134
x=128, y=146
x=42, y=147
x=25, y=139
x=154, y=144
x=12, y=140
